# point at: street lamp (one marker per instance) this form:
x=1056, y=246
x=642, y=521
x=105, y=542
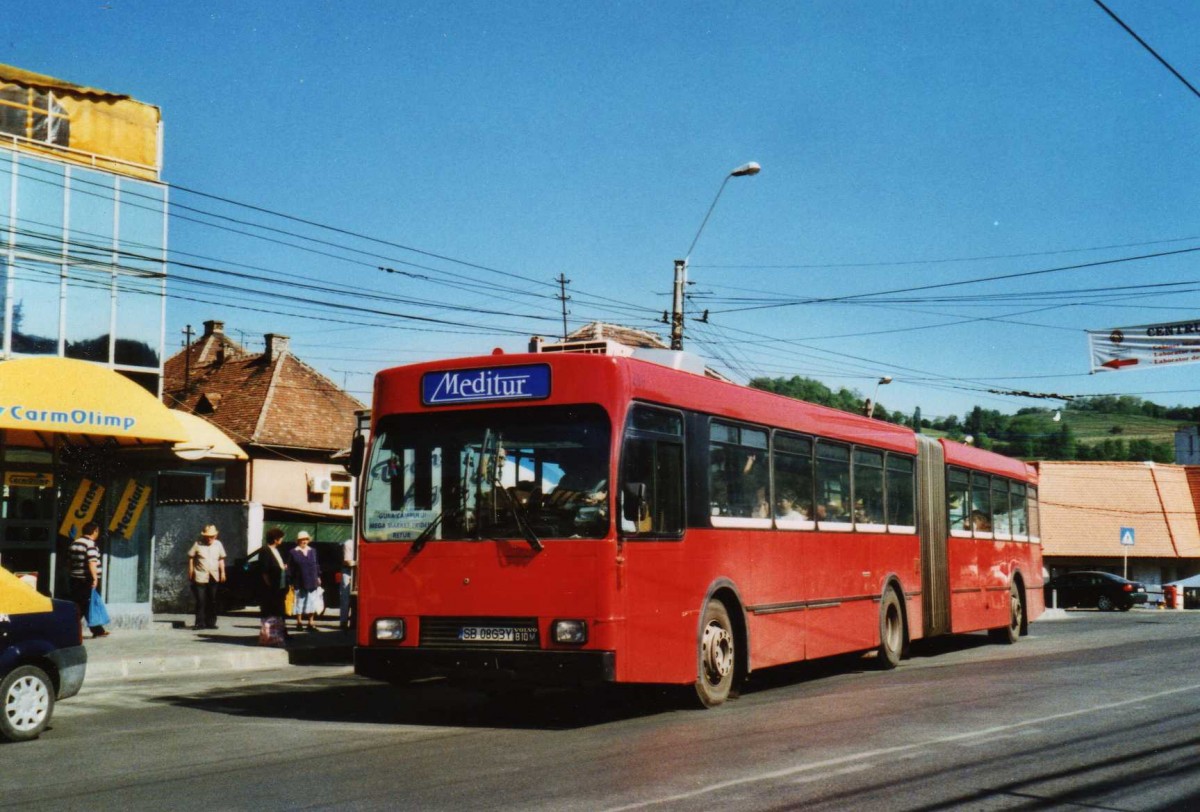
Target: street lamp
x=869, y=406
x=744, y=170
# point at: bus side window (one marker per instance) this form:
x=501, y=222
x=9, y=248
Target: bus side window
x=1001, y=510
x=833, y=484
x=868, y=488
x=793, y=481
x=737, y=477
x=981, y=503
x=1020, y=519
x=958, y=499
x=901, y=494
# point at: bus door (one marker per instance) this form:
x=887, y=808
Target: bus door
x=655, y=572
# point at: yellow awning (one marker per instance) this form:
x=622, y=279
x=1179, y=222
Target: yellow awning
x=41, y=396
x=19, y=598
x=205, y=441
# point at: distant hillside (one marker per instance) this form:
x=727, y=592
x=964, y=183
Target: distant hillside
x=1101, y=428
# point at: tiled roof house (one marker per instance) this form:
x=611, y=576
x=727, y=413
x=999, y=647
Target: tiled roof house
x=259, y=399
x=1086, y=507
x=289, y=418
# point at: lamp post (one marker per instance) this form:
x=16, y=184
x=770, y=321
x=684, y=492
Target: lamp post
x=869, y=406
x=681, y=264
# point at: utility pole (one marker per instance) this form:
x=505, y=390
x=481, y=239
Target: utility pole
x=564, y=298
x=677, y=304
x=187, y=358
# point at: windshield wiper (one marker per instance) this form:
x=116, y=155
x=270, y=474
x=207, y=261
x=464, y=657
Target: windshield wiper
x=425, y=535
x=522, y=520
x=421, y=540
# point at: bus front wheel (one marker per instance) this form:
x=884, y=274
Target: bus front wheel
x=891, y=631
x=717, y=654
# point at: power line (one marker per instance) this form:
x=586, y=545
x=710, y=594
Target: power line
x=941, y=260
x=1146, y=45
x=980, y=280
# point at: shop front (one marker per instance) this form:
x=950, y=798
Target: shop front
x=80, y=443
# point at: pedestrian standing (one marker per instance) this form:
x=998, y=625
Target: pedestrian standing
x=304, y=572
x=85, y=572
x=206, y=569
x=272, y=591
x=349, y=566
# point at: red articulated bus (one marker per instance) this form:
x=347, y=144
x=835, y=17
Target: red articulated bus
x=570, y=518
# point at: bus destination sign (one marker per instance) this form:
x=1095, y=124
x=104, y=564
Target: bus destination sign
x=480, y=385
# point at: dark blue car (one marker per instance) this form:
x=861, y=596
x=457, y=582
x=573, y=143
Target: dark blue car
x=42, y=658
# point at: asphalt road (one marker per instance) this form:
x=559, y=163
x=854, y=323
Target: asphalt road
x=1099, y=711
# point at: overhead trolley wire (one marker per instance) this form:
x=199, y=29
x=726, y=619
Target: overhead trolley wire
x=1146, y=45
x=940, y=285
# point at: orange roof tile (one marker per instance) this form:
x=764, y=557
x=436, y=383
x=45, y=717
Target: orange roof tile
x=1084, y=506
x=258, y=400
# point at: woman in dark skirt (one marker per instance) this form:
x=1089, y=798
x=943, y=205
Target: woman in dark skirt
x=272, y=589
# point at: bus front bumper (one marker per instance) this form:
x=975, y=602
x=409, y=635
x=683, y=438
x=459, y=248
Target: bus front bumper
x=542, y=667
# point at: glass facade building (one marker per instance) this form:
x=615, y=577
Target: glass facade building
x=84, y=265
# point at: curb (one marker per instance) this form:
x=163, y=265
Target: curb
x=103, y=669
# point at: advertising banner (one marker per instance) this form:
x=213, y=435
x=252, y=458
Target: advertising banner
x=1144, y=346
x=129, y=509
x=83, y=508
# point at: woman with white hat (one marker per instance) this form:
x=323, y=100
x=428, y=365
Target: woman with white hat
x=304, y=572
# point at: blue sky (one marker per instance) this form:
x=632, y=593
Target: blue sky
x=903, y=145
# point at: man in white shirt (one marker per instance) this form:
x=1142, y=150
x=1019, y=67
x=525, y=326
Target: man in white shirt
x=206, y=569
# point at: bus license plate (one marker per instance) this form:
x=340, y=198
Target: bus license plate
x=496, y=634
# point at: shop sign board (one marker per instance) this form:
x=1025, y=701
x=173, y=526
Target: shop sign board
x=28, y=479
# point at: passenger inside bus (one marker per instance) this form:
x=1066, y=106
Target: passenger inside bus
x=785, y=507
x=980, y=521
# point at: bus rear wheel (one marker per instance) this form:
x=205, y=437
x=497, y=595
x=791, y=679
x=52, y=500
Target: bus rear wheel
x=891, y=631
x=717, y=655
x=1016, y=618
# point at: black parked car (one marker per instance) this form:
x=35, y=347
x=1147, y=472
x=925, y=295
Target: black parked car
x=243, y=577
x=1102, y=590
x=42, y=658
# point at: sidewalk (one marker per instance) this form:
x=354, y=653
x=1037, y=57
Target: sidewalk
x=169, y=647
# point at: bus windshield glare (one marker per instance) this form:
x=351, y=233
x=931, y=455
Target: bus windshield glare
x=526, y=473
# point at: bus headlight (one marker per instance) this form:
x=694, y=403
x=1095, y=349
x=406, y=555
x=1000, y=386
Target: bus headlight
x=389, y=628
x=569, y=631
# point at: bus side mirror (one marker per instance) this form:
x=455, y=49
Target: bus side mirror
x=358, y=450
x=634, y=501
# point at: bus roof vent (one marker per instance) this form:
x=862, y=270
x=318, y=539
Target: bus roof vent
x=675, y=359
x=601, y=346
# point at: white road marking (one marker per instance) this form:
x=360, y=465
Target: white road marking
x=831, y=767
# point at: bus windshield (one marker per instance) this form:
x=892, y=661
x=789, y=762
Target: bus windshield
x=527, y=472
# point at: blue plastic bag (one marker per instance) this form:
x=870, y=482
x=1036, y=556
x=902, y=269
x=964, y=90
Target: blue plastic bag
x=97, y=614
